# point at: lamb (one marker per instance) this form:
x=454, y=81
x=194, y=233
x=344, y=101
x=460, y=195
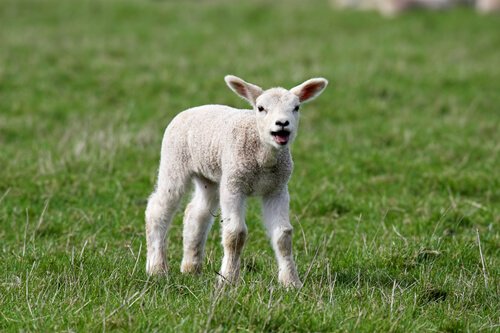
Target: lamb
x=229, y=154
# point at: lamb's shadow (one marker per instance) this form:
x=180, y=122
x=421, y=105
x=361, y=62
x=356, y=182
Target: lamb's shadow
x=357, y=277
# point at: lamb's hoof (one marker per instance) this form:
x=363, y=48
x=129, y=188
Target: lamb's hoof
x=290, y=281
x=296, y=284
x=158, y=269
x=189, y=267
x=225, y=280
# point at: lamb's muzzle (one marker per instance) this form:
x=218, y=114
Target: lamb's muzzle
x=229, y=154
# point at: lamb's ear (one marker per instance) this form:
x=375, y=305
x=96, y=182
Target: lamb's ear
x=310, y=89
x=248, y=91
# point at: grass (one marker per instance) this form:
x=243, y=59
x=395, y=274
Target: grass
x=395, y=197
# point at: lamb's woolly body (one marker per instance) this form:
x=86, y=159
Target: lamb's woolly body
x=236, y=151
x=229, y=154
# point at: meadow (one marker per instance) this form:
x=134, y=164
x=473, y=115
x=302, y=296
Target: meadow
x=395, y=196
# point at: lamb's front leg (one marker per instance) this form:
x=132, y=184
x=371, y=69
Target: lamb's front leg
x=277, y=221
x=234, y=232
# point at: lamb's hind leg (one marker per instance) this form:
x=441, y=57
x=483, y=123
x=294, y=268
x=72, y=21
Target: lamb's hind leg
x=198, y=219
x=161, y=208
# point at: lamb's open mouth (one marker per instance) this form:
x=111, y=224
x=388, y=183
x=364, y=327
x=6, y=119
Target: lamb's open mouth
x=281, y=137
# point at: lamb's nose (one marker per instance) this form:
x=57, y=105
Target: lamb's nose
x=283, y=124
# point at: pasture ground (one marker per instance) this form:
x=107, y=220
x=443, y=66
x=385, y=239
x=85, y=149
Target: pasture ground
x=395, y=196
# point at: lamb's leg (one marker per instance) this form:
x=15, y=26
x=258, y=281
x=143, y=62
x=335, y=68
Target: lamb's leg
x=234, y=232
x=161, y=208
x=198, y=219
x=277, y=222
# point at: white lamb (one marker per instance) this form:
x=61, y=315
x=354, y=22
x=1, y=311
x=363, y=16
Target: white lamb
x=229, y=154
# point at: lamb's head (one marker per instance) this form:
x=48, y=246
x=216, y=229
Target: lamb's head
x=277, y=109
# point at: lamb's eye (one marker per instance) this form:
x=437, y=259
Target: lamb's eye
x=261, y=108
x=296, y=108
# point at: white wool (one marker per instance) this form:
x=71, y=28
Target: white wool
x=394, y=7
x=229, y=154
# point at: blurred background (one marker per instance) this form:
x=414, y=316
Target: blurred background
x=396, y=164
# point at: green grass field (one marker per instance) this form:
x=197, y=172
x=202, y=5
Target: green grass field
x=395, y=196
